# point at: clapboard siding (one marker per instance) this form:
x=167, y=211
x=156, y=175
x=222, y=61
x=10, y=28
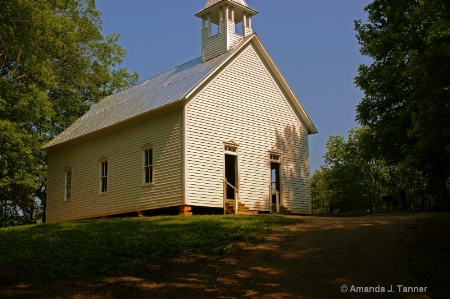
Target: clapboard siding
x=234, y=37
x=124, y=151
x=244, y=104
x=221, y=42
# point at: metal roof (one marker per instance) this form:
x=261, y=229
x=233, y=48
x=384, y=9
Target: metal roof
x=213, y=2
x=212, y=7
x=163, y=89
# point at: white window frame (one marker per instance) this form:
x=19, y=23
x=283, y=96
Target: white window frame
x=231, y=148
x=275, y=157
x=103, y=187
x=68, y=182
x=148, y=166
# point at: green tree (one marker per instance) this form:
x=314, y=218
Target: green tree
x=342, y=177
x=358, y=169
x=353, y=177
x=407, y=86
x=340, y=180
x=321, y=195
x=54, y=63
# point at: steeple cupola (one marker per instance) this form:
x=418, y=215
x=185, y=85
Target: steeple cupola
x=225, y=14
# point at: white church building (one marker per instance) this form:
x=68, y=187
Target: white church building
x=221, y=129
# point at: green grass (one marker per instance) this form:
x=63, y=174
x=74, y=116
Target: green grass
x=99, y=247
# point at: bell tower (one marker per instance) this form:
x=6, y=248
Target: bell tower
x=225, y=14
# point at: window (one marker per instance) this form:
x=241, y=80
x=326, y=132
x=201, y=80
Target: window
x=148, y=166
x=68, y=188
x=230, y=148
x=274, y=157
x=104, y=177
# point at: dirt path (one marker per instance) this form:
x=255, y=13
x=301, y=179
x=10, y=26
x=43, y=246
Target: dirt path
x=316, y=259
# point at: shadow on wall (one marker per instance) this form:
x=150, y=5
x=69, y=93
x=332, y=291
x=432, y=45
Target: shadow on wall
x=295, y=162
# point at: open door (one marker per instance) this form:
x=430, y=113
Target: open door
x=231, y=174
x=275, y=180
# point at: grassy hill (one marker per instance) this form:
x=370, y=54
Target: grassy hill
x=105, y=246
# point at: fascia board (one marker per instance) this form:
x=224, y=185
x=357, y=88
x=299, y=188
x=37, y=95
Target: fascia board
x=274, y=70
x=123, y=124
x=214, y=73
x=286, y=88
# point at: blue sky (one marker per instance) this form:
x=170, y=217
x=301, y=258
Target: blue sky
x=312, y=42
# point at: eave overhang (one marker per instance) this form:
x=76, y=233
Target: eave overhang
x=239, y=10
x=311, y=129
x=178, y=102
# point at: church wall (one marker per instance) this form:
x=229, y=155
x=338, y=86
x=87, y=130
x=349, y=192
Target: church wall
x=124, y=151
x=244, y=104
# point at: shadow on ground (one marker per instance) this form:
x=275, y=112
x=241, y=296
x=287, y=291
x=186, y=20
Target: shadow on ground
x=320, y=258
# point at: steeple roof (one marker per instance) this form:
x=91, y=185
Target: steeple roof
x=212, y=6
x=213, y=2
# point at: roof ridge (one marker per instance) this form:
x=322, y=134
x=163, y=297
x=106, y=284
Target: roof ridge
x=169, y=70
x=137, y=84
x=150, y=78
x=165, y=88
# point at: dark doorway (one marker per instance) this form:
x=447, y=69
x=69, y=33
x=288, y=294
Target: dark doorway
x=275, y=180
x=231, y=174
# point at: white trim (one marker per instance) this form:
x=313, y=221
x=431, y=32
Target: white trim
x=230, y=148
x=304, y=118
x=233, y=152
x=273, y=72
x=185, y=161
x=192, y=95
x=275, y=157
x=276, y=76
x=280, y=172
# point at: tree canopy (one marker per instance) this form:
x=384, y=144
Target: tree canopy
x=407, y=85
x=354, y=178
x=54, y=63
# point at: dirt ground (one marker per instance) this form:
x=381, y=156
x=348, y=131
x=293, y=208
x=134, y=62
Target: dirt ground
x=374, y=256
